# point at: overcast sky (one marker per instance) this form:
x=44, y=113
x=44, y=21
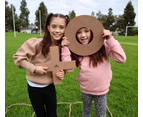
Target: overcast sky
x=81, y=7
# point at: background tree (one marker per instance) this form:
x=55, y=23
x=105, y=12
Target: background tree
x=129, y=17
x=102, y=18
x=119, y=24
x=72, y=14
x=93, y=14
x=110, y=20
x=44, y=14
x=24, y=16
x=17, y=22
x=8, y=17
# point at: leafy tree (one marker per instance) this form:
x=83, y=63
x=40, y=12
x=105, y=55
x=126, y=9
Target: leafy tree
x=24, y=16
x=129, y=17
x=119, y=24
x=110, y=20
x=43, y=10
x=106, y=20
x=93, y=14
x=72, y=14
x=17, y=23
x=102, y=18
x=9, y=18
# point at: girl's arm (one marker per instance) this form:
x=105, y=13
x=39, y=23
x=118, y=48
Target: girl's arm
x=113, y=47
x=66, y=54
x=24, y=54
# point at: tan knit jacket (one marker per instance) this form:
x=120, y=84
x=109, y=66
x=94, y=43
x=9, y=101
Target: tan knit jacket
x=28, y=55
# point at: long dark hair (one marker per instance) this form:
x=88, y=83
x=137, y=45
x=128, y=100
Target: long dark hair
x=47, y=42
x=95, y=58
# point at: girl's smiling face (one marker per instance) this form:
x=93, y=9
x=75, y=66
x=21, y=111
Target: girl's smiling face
x=84, y=35
x=57, y=28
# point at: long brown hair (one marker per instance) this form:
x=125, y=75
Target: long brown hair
x=47, y=42
x=95, y=58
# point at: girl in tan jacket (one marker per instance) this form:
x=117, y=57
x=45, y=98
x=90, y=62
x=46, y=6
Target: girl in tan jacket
x=34, y=51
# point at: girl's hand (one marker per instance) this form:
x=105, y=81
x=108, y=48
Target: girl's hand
x=60, y=74
x=64, y=42
x=106, y=34
x=41, y=70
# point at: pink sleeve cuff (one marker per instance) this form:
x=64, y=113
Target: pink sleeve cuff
x=65, y=51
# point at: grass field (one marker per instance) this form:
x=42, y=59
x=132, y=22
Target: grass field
x=122, y=98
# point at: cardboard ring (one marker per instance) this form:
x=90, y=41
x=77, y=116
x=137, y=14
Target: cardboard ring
x=96, y=28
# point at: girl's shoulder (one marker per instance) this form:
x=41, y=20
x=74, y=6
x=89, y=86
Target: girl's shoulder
x=33, y=41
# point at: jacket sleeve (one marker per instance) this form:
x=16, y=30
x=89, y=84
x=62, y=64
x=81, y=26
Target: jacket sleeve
x=66, y=56
x=22, y=58
x=115, y=51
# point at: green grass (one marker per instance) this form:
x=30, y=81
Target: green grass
x=128, y=39
x=122, y=98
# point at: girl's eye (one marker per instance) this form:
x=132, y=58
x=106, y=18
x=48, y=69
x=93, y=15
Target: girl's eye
x=78, y=32
x=53, y=26
x=62, y=27
x=86, y=30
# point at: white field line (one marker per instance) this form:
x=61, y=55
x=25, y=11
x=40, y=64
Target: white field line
x=129, y=43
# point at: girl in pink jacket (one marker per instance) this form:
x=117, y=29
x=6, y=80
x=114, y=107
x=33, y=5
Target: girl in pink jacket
x=95, y=70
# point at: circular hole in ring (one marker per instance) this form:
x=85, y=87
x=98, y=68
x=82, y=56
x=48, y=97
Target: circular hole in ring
x=85, y=30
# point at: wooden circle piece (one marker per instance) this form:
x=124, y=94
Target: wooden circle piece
x=94, y=25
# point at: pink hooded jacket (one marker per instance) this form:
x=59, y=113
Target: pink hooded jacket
x=96, y=80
